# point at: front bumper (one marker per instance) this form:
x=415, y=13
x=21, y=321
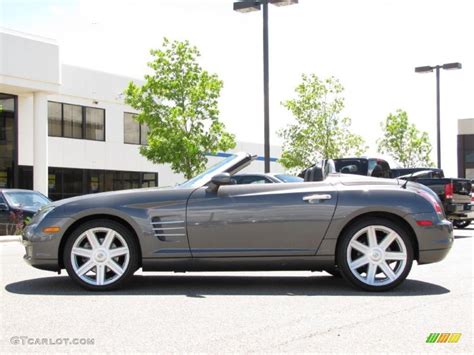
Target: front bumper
x=42, y=250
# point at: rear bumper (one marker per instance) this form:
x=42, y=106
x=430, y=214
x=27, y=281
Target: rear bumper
x=432, y=256
x=435, y=241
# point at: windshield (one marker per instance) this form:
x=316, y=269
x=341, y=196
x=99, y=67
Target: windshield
x=26, y=199
x=288, y=178
x=222, y=166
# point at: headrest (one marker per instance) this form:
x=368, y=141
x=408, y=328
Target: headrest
x=314, y=174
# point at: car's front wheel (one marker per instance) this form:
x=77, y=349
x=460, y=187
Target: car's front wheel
x=375, y=254
x=100, y=255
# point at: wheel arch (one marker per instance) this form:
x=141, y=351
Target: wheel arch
x=93, y=217
x=385, y=215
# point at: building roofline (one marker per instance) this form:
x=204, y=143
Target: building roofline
x=28, y=35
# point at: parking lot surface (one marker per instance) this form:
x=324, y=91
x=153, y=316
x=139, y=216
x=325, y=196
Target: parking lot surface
x=237, y=312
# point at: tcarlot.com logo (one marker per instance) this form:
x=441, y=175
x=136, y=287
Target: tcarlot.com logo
x=443, y=338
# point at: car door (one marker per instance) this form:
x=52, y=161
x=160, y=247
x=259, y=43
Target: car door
x=260, y=219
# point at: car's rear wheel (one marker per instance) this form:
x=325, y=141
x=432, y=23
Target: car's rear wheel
x=461, y=224
x=101, y=255
x=375, y=254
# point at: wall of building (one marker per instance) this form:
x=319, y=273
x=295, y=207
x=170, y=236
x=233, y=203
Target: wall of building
x=466, y=148
x=31, y=63
x=90, y=88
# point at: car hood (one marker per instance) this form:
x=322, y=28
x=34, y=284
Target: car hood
x=135, y=198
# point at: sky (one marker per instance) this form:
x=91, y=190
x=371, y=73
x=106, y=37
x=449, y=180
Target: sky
x=371, y=46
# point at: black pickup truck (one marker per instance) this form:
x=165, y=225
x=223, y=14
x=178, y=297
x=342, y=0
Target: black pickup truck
x=455, y=194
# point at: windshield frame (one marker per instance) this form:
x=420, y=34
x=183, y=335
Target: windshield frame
x=232, y=162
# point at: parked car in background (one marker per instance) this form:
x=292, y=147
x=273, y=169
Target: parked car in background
x=17, y=205
x=260, y=178
x=456, y=194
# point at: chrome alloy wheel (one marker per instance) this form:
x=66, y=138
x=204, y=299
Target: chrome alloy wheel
x=100, y=256
x=376, y=255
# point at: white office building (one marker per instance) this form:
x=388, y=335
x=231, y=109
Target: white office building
x=65, y=131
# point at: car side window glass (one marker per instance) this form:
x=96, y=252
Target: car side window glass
x=259, y=181
x=385, y=169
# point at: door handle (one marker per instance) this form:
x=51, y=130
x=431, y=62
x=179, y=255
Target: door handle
x=315, y=198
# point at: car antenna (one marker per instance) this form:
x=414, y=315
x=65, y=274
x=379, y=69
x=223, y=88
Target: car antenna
x=404, y=186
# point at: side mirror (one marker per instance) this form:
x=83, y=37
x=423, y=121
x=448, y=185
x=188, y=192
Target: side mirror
x=3, y=207
x=218, y=180
x=222, y=179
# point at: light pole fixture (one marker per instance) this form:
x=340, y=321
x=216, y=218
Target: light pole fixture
x=250, y=6
x=429, y=69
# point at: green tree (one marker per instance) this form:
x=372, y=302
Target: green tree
x=320, y=132
x=179, y=104
x=404, y=142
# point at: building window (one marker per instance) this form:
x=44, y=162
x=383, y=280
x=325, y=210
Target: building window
x=95, y=124
x=149, y=180
x=55, y=118
x=143, y=134
x=74, y=121
x=134, y=132
x=64, y=182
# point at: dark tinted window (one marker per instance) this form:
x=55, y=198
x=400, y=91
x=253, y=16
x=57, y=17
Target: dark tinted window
x=351, y=166
x=133, y=131
x=95, y=124
x=65, y=182
x=72, y=121
x=55, y=119
x=380, y=168
x=25, y=177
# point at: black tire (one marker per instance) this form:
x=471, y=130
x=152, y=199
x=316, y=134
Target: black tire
x=342, y=255
x=127, y=238
x=461, y=224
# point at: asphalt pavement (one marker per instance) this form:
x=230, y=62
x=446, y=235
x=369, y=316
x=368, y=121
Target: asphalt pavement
x=237, y=312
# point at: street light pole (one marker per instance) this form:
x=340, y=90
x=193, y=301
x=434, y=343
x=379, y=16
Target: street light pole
x=244, y=6
x=266, y=90
x=429, y=69
x=438, y=118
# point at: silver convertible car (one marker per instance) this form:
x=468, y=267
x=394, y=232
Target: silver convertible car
x=369, y=230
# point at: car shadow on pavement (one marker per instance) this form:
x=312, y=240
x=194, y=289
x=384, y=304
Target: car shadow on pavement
x=462, y=236
x=201, y=286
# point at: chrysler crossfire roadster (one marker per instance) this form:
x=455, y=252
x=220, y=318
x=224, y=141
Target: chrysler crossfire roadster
x=369, y=230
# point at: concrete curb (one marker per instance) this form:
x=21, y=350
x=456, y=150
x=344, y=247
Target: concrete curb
x=10, y=238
